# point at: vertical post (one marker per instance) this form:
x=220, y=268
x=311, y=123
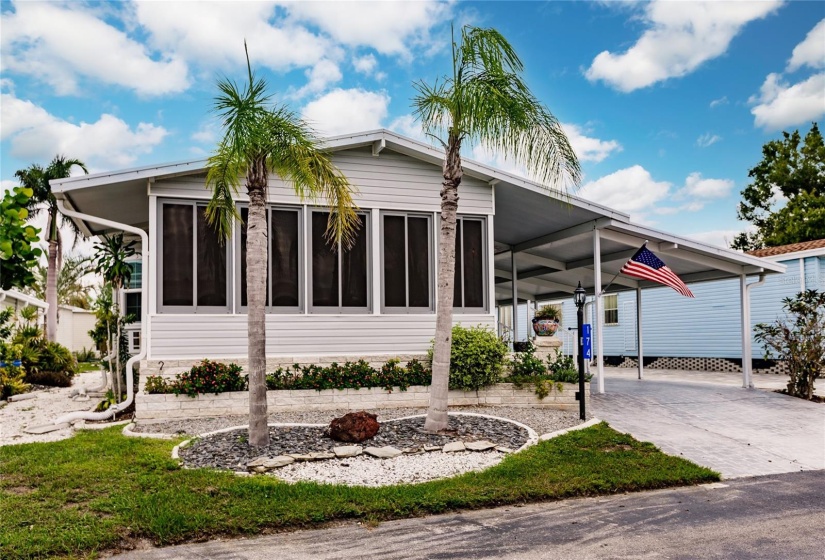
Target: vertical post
x=639, y=353
x=580, y=345
x=746, y=331
x=597, y=283
x=515, y=297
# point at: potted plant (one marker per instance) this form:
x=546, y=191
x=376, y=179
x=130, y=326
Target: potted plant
x=546, y=320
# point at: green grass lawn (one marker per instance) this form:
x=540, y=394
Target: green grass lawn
x=83, y=367
x=100, y=490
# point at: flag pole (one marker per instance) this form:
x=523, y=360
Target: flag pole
x=620, y=271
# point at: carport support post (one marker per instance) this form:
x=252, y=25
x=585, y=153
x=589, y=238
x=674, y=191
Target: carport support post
x=639, y=353
x=597, y=283
x=746, y=331
x=515, y=298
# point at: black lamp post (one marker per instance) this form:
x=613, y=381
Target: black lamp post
x=579, y=298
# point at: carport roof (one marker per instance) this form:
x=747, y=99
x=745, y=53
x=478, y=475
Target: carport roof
x=551, y=234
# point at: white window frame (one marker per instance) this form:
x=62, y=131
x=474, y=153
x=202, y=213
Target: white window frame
x=127, y=290
x=485, y=266
x=430, y=256
x=606, y=309
x=194, y=308
x=271, y=309
x=366, y=226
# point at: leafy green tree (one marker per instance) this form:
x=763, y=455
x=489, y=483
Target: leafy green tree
x=37, y=179
x=260, y=139
x=18, y=253
x=485, y=101
x=795, y=169
x=71, y=289
x=799, y=341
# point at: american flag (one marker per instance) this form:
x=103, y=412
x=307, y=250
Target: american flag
x=647, y=266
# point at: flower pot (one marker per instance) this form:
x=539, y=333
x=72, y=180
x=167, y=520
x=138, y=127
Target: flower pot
x=545, y=327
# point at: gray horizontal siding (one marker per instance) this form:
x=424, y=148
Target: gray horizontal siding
x=389, y=181
x=224, y=336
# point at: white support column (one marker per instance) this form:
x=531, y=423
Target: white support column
x=639, y=347
x=528, y=327
x=746, y=331
x=597, y=287
x=375, y=227
x=515, y=297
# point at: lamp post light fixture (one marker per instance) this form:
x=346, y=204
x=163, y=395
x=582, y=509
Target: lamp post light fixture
x=579, y=298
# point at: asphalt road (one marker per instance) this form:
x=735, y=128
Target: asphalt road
x=775, y=517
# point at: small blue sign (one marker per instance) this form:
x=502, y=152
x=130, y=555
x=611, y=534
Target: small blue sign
x=587, y=342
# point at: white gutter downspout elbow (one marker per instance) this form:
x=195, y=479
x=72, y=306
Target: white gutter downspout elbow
x=747, y=361
x=130, y=379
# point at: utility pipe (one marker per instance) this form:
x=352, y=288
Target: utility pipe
x=130, y=379
x=747, y=358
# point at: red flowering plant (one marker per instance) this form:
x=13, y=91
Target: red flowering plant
x=206, y=377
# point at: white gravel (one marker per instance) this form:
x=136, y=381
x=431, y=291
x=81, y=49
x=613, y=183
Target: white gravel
x=406, y=469
x=45, y=408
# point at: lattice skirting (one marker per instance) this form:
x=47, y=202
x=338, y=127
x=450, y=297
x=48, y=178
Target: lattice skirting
x=703, y=364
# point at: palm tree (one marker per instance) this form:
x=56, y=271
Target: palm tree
x=70, y=287
x=485, y=101
x=37, y=179
x=260, y=139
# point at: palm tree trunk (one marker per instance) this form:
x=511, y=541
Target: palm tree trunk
x=437, y=419
x=51, y=292
x=256, y=267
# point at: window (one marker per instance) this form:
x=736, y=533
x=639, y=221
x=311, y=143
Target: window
x=340, y=278
x=611, y=309
x=283, y=282
x=134, y=341
x=193, y=261
x=406, y=262
x=469, y=292
x=137, y=275
x=131, y=302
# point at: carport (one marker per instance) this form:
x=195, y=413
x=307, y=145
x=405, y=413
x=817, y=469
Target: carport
x=545, y=244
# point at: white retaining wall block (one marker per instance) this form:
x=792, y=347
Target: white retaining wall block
x=237, y=403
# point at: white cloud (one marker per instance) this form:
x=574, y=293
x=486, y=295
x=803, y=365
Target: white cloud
x=59, y=43
x=365, y=64
x=718, y=238
x=213, y=33
x=207, y=133
x=811, y=51
x=7, y=185
x=587, y=148
x=681, y=36
x=320, y=76
x=780, y=105
x=696, y=186
x=387, y=27
x=107, y=143
x=630, y=190
x=717, y=102
x=707, y=139
x=347, y=110
x=408, y=126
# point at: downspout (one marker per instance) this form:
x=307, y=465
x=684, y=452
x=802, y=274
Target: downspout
x=747, y=362
x=130, y=364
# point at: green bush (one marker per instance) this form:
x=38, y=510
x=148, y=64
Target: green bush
x=527, y=364
x=476, y=358
x=11, y=376
x=85, y=355
x=54, y=357
x=209, y=377
x=156, y=384
x=49, y=378
x=351, y=375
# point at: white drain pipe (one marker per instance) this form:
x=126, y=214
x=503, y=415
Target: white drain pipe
x=130, y=379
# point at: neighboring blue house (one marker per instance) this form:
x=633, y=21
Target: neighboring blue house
x=702, y=333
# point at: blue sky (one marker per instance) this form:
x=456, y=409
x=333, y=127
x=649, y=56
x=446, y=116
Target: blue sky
x=666, y=103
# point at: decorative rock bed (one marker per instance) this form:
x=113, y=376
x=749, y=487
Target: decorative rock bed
x=401, y=452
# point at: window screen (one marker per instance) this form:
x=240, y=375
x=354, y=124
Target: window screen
x=211, y=265
x=177, y=254
x=133, y=302
x=284, y=258
x=470, y=281
x=406, y=261
x=339, y=276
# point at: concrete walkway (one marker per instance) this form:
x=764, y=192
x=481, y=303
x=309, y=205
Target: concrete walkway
x=709, y=419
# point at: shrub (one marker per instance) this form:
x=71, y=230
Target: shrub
x=476, y=358
x=49, y=378
x=564, y=369
x=351, y=375
x=209, y=377
x=526, y=363
x=156, y=384
x=85, y=355
x=800, y=341
x=54, y=357
x=11, y=376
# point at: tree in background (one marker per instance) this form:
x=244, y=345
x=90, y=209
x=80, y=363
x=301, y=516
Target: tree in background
x=485, y=101
x=260, y=140
x=37, y=179
x=70, y=287
x=18, y=253
x=799, y=341
x=786, y=200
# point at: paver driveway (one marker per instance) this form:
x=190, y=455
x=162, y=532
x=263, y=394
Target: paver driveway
x=734, y=431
